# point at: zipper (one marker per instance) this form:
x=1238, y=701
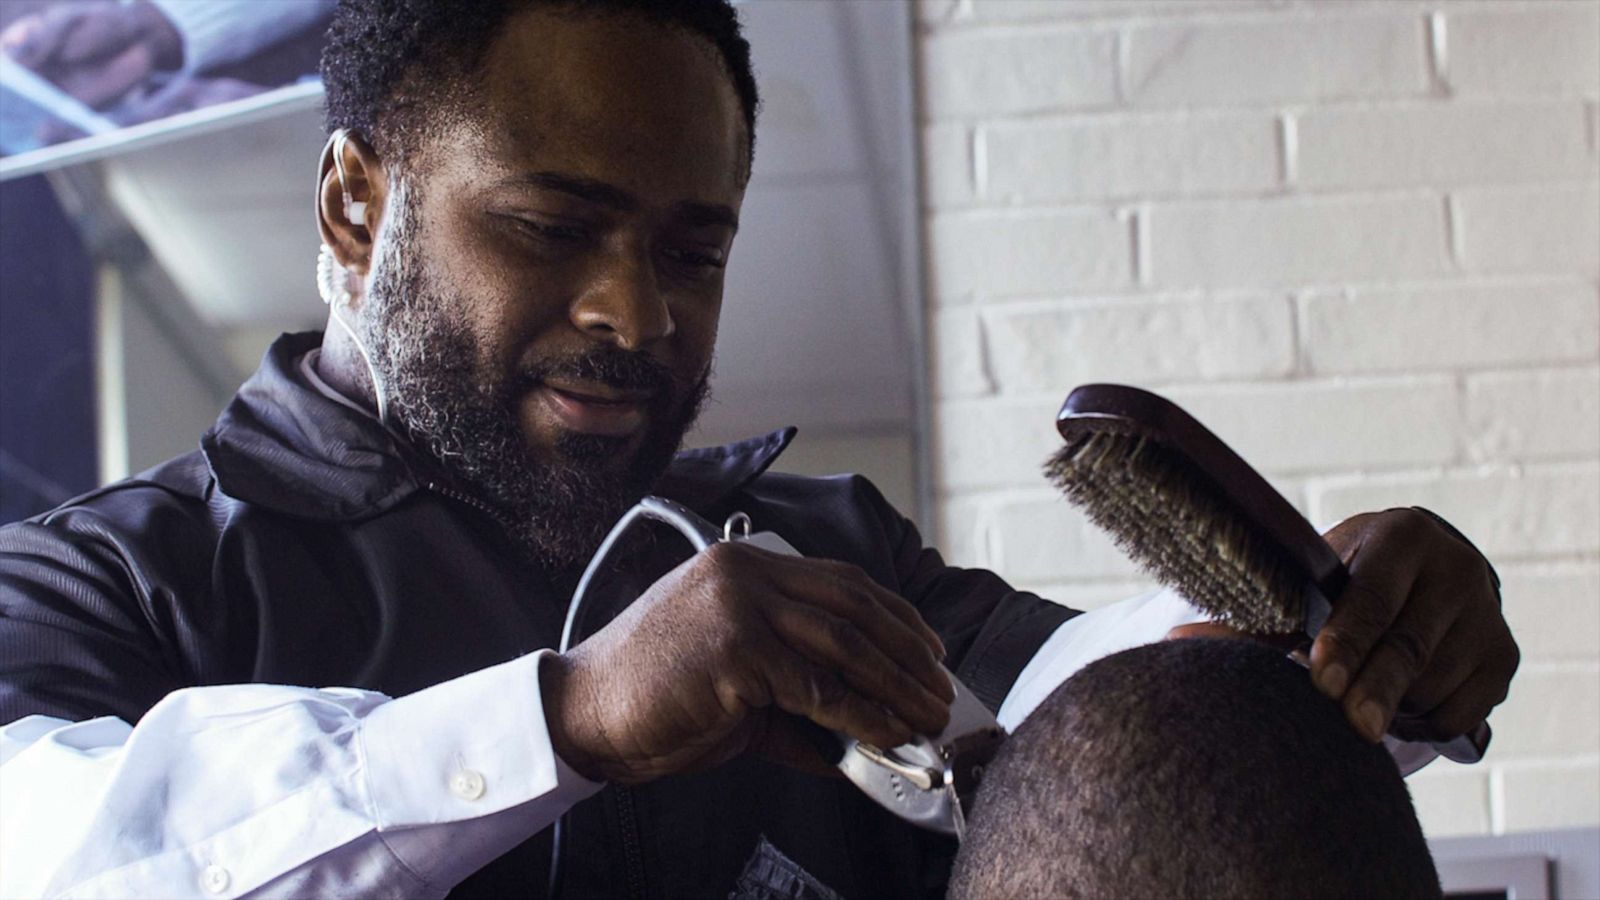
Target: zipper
x=627, y=813
x=471, y=501
x=632, y=853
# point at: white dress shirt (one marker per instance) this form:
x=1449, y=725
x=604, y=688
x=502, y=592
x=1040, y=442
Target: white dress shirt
x=288, y=791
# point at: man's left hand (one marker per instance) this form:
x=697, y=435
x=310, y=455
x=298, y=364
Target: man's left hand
x=1418, y=630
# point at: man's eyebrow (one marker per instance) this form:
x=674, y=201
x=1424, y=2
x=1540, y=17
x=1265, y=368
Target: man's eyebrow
x=697, y=214
x=612, y=197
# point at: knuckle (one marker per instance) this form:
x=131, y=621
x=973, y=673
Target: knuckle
x=847, y=589
x=827, y=691
x=1407, y=523
x=1464, y=559
x=1368, y=608
x=843, y=573
x=845, y=637
x=1513, y=656
x=1408, y=647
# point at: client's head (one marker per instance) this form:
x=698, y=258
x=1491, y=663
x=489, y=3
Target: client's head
x=1204, y=768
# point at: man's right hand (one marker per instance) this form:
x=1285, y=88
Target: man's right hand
x=709, y=661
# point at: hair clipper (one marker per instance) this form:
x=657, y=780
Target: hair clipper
x=928, y=782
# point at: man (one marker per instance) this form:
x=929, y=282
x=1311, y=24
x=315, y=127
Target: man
x=1199, y=768
x=528, y=207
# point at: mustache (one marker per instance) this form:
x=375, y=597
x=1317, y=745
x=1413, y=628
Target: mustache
x=622, y=369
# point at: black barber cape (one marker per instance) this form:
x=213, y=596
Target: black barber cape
x=301, y=544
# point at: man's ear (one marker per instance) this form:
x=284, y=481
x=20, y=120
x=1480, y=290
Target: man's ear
x=363, y=185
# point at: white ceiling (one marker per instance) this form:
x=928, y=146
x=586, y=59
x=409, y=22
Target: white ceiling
x=819, y=324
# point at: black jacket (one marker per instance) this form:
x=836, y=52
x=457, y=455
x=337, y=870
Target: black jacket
x=302, y=545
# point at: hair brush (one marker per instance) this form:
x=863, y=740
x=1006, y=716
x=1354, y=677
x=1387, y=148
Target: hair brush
x=1195, y=515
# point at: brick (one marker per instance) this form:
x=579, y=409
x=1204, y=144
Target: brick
x=1090, y=158
x=1540, y=511
x=1310, y=427
x=1270, y=59
x=1534, y=415
x=1548, y=230
x=1280, y=429
x=963, y=532
x=1442, y=143
x=999, y=74
x=1030, y=538
x=1296, y=241
x=946, y=165
x=1557, y=796
x=935, y=12
x=982, y=12
x=959, y=359
x=1450, y=802
x=1449, y=326
x=1047, y=539
x=1553, y=610
x=1159, y=340
x=1525, y=48
x=1035, y=253
x=1549, y=713
x=993, y=443
x=1594, y=128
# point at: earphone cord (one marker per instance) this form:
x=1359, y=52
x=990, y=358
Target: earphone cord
x=352, y=212
x=379, y=395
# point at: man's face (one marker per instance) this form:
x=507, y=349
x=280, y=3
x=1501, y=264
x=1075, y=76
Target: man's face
x=544, y=299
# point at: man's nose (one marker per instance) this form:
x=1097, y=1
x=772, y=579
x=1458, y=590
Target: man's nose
x=623, y=304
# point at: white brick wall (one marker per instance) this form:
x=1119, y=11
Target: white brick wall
x=1360, y=239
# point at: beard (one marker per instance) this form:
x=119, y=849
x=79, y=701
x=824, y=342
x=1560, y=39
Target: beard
x=456, y=407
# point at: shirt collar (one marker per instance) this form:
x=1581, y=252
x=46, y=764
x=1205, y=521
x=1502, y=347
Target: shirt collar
x=284, y=444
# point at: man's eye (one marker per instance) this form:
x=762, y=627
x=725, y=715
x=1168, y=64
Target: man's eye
x=564, y=234
x=695, y=259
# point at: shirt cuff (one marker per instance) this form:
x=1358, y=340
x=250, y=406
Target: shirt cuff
x=464, y=749
x=475, y=752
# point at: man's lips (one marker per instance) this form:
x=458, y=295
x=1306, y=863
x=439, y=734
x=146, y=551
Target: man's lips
x=592, y=407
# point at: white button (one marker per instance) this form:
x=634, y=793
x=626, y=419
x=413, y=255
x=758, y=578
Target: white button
x=467, y=784
x=214, y=879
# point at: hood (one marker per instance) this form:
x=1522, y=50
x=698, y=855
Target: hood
x=281, y=444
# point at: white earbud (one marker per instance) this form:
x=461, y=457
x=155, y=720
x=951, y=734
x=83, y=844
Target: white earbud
x=355, y=211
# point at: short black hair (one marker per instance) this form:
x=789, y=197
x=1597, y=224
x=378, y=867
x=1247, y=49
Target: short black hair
x=1197, y=767
x=388, y=65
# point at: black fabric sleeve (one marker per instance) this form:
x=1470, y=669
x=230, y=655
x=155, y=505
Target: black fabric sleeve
x=991, y=630
x=77, y=638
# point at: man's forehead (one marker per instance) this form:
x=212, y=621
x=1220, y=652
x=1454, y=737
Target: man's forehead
x=614, y=98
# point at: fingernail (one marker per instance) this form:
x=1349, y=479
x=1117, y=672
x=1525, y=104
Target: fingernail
x=1370, y=714
x=1335, y=678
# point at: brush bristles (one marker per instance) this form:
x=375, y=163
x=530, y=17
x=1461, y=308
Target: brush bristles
x=1175, y=524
